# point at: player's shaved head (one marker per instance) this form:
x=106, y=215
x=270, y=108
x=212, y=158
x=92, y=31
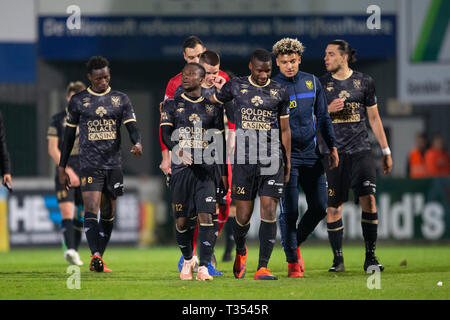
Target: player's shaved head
x=261, y=55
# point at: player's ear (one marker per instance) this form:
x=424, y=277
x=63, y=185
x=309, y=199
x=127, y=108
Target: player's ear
x=299, y=59
x=276, y=60
x=89, y=77
x=250, y=65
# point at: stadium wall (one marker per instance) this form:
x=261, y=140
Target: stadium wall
x=408, y=210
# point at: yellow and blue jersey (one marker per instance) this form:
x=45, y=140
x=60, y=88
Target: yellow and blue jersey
x=307, y=105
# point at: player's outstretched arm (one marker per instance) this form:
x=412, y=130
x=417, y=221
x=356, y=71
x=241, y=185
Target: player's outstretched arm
x=378, y=131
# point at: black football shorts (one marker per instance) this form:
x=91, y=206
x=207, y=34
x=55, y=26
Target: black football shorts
x=356, y=171
x=249, y=179
x=107, y=181
x=193, y=191
x=71, y=195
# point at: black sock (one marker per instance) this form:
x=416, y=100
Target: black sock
x=77, y=232
x=229, y=239
x=369, y=224
x=184, y=241
x=105, y=229
x=267, y=238
x=191, y=231
x=336, y=235
x=91, y=230
x=240, y=236
x=215, y=218
x=206, y=235
x=67, y=231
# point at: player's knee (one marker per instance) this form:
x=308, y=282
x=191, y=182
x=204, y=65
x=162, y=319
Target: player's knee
x=268, y=212
x=333, y=214
x=368, y=203
x=182, y=224
x=205, y=218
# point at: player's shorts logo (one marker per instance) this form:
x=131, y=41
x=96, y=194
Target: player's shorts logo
x=256, y=100
x=309, y=84
x=115, y=101
x=101, y=111
x=83, y=181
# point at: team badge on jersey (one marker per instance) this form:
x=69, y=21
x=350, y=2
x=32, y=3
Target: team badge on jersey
x=209, y=109
x=256, y=100
x=309, y=84
x=194, y=118
x=164, y=116
x=244, y=91
x=344, y=94
x=180, y=110
x=101, y=111
x=115, y=101
x=357, y=83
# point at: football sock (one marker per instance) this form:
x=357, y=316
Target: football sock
x=335, y=236
x=105, y=229
x=91, y=230
x=184, y=241
x=207, y=237
x=77, y=232
x=369, y=224
x=215, y=218
x=267, y=238
x=68, y=232
x=192, y=231
x=240, y=236
x=229, y=239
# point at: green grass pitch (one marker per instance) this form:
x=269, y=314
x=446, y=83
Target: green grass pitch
x=152, y=274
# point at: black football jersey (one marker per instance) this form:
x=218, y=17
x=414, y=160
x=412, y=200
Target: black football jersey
x=195, y=122
x=99, y=117
x=349, y=124
x=256, y=112
x=56, y=129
